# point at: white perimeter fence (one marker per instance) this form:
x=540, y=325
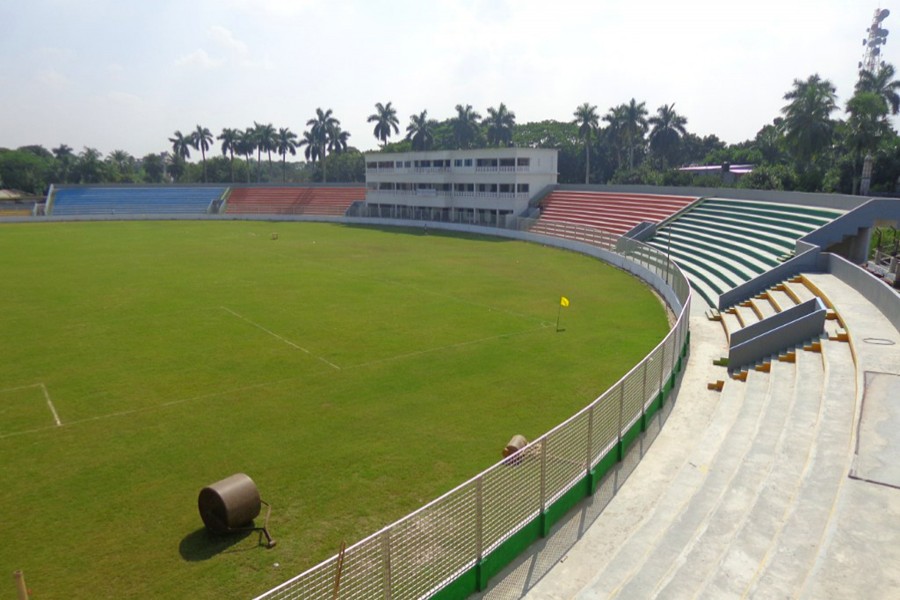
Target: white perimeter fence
x=451, y=547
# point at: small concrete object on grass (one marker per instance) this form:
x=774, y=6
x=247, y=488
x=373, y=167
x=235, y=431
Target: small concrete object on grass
x=274, y=236
x=230, y=505
x=515, y=444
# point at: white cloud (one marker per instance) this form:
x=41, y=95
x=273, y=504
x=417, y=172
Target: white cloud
x=225, y=38
x=124, y=99
x=276, y=8
x=53, y=79
x=200, y=59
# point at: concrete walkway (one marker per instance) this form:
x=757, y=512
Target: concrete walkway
x=747, y=492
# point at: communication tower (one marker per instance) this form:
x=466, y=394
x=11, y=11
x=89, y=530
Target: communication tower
x=876, y=37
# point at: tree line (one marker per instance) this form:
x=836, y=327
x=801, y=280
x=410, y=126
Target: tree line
x=804, y=147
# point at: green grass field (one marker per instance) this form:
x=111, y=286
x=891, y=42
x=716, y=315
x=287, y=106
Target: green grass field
x=354, y=373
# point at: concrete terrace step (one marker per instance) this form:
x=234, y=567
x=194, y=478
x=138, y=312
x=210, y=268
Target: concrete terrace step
x=699, y=561
x=781, y=299
x=719, y=258
x=616, y=213
x=705, y=494
x=326, y=201
x=702, y=476
x=763, y=307
x=759, y=260
x=763, y=241
x=737, y=567
x=746, y=315
x=730, y=323
x=798, y=291
x=793, y=553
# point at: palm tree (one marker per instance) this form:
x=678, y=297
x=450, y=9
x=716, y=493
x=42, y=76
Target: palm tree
x=666, y=132
x=634, y=127
x=322, y=128
x=181, y=146
x=337, y=141
x=420, y=131
x=866, y=127
x=465, y=126
x=587, y=120
x=265, y=138
x=90, y=167
x=385, y=118
x=285, y=141
x=122, y=164
x=181, y=151
x=311, y=152
x=500, y=123
x=230, y=138
x=246, y=147
x=881, y=83
x=808, y=127
x=201, y=139
x=615, y=132
x=64, y=155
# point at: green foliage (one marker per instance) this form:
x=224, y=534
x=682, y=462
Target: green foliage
x=694, y=149
x=562, y=136
x=734, y=155
x=347, y=167
x=769, y=177
x=643, y=175
x=25, y=170
x=155, y=343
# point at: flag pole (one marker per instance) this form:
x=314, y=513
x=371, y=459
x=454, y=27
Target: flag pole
x=558, y=312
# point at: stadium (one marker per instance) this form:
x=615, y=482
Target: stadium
x=742, y=449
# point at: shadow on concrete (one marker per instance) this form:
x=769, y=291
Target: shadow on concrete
x=525, y=572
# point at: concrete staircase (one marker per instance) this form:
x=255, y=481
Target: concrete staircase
x=750, y=492
x=746, y=514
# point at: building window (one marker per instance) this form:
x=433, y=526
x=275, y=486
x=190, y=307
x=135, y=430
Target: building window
x=457, y=162
x=522, y=188
x=468, y=162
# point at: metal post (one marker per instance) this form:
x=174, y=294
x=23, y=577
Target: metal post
x=644, y=394
x=479, y=518
x=590, y=448
x=386, y=562
x=543, y=474
x=590, y=436
x=662, y=367
x=21, y=590
x=621, y=418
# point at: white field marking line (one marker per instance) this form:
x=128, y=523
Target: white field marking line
x=50, y=405
x=440, y=348
x=285, y=340
x=46, y=397
x=134, y=411
x=21, y=387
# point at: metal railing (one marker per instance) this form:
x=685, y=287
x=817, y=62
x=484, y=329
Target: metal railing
x=451, y=547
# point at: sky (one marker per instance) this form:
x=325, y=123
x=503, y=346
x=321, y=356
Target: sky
x=125, y=74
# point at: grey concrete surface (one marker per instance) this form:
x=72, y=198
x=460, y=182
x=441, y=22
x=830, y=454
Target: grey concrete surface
x=754, y=492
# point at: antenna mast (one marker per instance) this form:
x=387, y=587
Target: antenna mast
x=876, y=37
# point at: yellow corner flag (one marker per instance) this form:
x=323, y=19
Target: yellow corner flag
x=563, y=301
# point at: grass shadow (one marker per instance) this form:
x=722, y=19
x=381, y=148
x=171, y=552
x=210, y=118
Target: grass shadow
x=203, y=545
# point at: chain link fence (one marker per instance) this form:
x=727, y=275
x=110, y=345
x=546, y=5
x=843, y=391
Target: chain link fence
x=452, y=546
